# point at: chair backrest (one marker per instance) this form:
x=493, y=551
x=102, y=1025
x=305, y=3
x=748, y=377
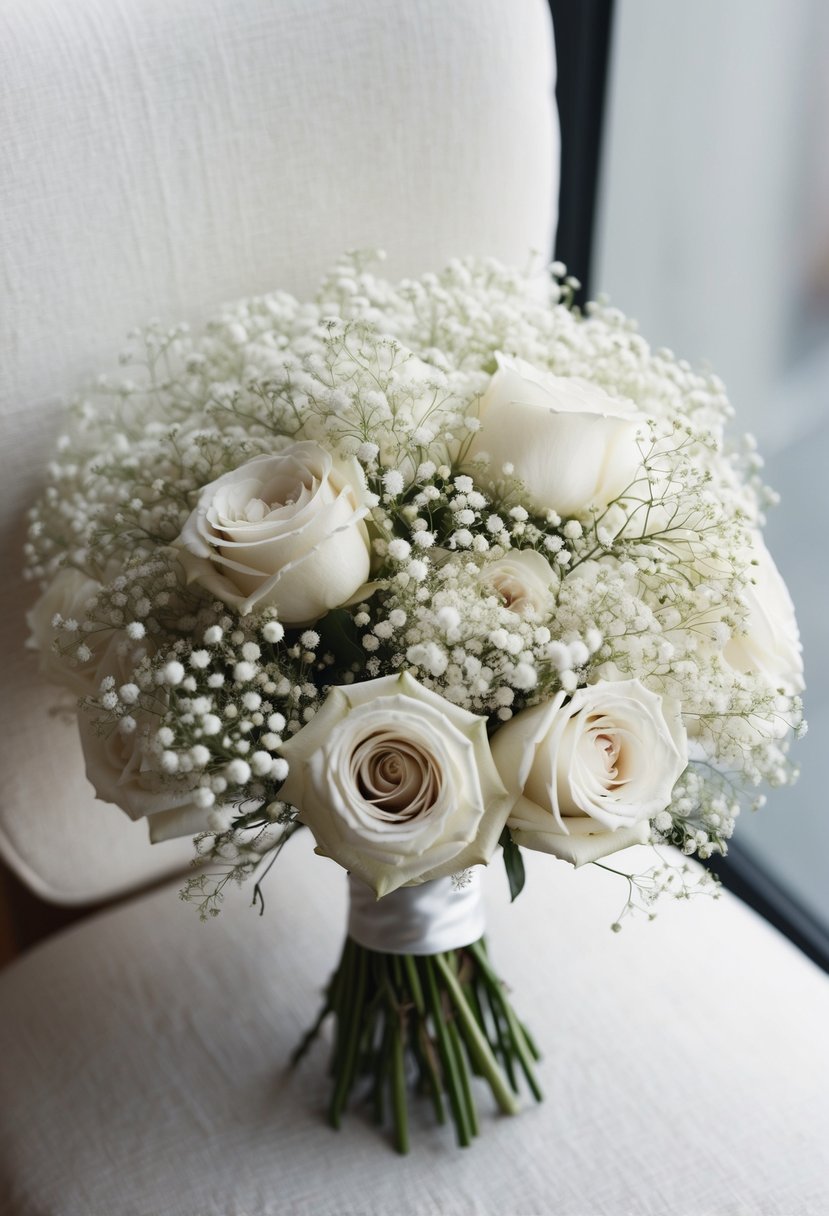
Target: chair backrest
x=161, y=157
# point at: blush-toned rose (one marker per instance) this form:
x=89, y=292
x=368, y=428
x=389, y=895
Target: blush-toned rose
x=524, y=580
x=588, y=772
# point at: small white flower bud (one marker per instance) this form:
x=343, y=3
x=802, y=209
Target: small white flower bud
x=169, y=762
x=393, y=482
x=220, y=819
x=238, y=771
x=260, y=763
x=579, y=654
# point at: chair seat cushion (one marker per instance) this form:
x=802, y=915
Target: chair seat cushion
x=143, y=1062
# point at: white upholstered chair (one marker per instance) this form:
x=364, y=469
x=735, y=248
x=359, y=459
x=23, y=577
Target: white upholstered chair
x=161, y=157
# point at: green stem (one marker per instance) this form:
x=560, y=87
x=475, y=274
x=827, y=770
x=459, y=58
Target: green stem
x=410, y=966
x=398, y=1092
x=470, y=991
x=463, y=1074
x=381, y=1068
x=341, y=1002
x=347, y=1062
x=447, y=1058
x=516, y=1034
x=309, y=1036
x=478, y=1045
x=501, y=1037
x=426, y=1050
x=447, y=1013
x=530, y=1041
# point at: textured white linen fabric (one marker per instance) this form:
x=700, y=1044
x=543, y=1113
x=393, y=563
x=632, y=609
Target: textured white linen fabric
x=143, y=1065
x=162, y=157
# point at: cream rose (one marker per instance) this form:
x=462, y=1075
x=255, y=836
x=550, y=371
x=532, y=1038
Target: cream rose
x=117, y=768
x=284, y=531
x=570, y=443
x=524, y=580
x=589, y=772
x=68, y=596
x=771, y=644
x=397, y=784
x=118, y=762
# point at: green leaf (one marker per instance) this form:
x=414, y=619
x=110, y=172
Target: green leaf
x=340, y=636
x=513, y=864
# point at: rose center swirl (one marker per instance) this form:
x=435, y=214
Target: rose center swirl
x=609, y=751
x=257, y=509
x=395, y=777
x=611, y=757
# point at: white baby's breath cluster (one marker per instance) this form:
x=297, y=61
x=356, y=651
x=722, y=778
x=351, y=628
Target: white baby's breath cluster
x=502, y=573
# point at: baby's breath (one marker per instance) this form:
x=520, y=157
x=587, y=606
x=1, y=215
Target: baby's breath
x=392, y=377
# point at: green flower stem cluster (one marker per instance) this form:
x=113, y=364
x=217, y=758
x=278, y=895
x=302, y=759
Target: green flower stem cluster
x=442, y=1018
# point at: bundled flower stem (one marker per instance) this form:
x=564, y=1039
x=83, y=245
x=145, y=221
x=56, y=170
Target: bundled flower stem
x=439, y=1019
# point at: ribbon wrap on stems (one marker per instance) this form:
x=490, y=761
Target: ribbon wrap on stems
x=417, y=1005
x=427, y=919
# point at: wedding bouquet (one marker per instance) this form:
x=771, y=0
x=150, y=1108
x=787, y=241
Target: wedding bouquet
x=433, y=568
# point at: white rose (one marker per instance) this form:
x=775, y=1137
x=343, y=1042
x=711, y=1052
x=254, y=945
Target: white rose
x=524, y=580
x=771, y=644
x=118, y=769
x=284, y=531
x=571, y=444
x=397, y=784
x=589, y=772
x=68, y=595
x=118, y=763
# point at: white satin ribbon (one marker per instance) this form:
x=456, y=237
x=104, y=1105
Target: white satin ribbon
x=427, y=919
